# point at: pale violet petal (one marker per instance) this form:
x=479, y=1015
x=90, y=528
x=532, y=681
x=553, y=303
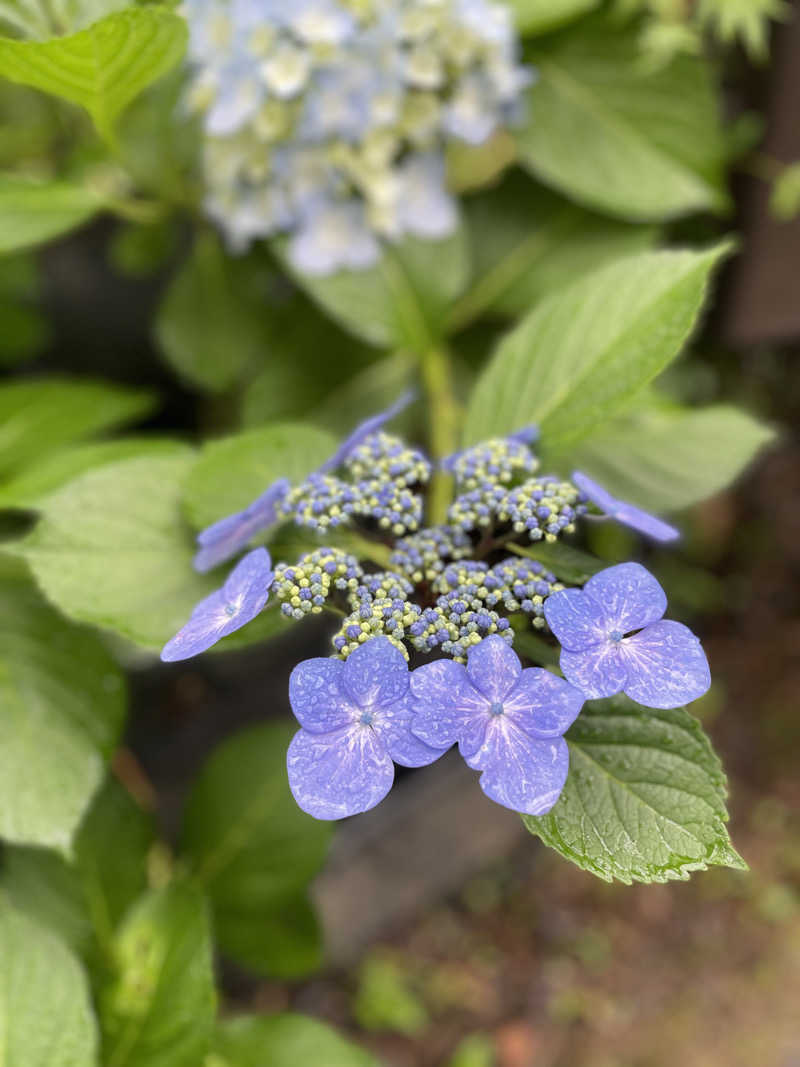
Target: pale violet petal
x=542, y=704
x=445, y=702
x=493, y=667
x=392, y=723
x=627, y=596
x=225, y=538
x=319, y=701
x=576, y=620
x=340, y=773
x=628, y=514
x=597, y=672
x=364, y=430
x=520, y=772
x=666, y=665
x=376, y=673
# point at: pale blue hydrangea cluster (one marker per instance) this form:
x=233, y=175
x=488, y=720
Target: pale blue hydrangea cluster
x=328, y=119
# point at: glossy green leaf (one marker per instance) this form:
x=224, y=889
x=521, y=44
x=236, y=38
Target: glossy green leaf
x=255, y=852
x=611, y=132
x=46, y=1017
x=644, y=799
x=32, y=212
x=62, y=704
x=584, y=352
x=103, y=67
x=286, y=1040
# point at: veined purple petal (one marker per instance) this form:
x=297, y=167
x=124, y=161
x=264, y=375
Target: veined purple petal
x=225, y=538
x=393, y=723
x=339, y=773
x=542, y=704
x=627, y=514
x=493, y=667
x=596, y=672
x=521, y=772
x=666, y=665
x=445, y=703
x=577, y=620
x=627, y=596
x=363, y=430
x=317, y=695
x=376, y=673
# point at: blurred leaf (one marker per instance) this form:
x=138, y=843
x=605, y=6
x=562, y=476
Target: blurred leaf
x=46, y=1014
x=746, y=22
x=232, y=471
x=570, y=565
x=255, y=852
x=286, y=1040
x=62, y=705
x=23, y=329
x=645, y=796
x=158, y=1009
x=103, y=67
x=784, y=200
x=668, y=460
x=477, y=1050
x=386, y=999
x=34, y=211
x=141, y=251
x=619, y=137
x=375, y=388
x=526, y=242
x=40, y=417
x=583, y=352
x=473, y=166
x=207, y=327
x=402, y=302
x=42, y=477
x=539, y=16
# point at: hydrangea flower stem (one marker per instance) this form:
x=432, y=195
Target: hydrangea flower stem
x=437, y=377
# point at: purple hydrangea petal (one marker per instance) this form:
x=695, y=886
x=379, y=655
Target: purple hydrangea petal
x=228, y=609
x=493, y=667
x=445, y=702
x=363, y=430
x=376, y=673
x=225, y=538
x=577, y=620
x=521, y=772
x=542, y=704
x=473, y=733
x=666, y=666
x=317, y=695
x=628, y=597
x=596, y=672
x=527, y=435
x=339, y=773
x=628, y=514
x=392, y=723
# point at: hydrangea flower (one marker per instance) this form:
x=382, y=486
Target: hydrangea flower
x=627, y=514
x=508, y=722
x=328, y=119
x=615, y=640
x=355, y=717
x=241, y=598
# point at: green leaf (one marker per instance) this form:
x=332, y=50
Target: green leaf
x=286, y=1040
x=403, y=300
x=33, y=211
x=569, y=564
x=46, y=1017
x=112, y=549
x=40, y=417
x=644, y=799
x=526, y=242
x=103, y=67
x=609, y=131
x=540, y=16
x=255, y=852
x=62, y=704
x=583, y=353
x=207, y=327
x=158, y=1009
x=36, y=482
x=665, y=460
x=232, y=471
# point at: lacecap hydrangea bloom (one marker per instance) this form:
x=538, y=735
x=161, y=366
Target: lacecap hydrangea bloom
x=426, y=617
x=328, y=119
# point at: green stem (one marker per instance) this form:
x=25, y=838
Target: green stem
x=437, y=378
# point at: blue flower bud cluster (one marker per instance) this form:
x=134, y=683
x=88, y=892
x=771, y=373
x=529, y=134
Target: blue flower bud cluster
x=328, y=119
x=542, y=508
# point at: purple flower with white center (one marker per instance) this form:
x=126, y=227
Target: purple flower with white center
x=627, y=514
x=225, y=538
x=508, y=722
x=241, y=598
x=364, y=430
x=614, y=640
x=355, y=717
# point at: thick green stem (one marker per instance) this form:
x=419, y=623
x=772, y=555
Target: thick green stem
x=437, y=378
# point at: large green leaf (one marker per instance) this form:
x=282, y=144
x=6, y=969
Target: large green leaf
x=255, y=852
x=539, y=16
x=644, y=799
x=103, y=67
x=527, y=241
x=403, y=300
x=32, y=212
x=40, y=417
x=62, y=704
x=232, y=471
x=286, y=1040
x=158, y=1007
x=583, y=353
x=618, y=136
x=46, y=1017
x=666, y=460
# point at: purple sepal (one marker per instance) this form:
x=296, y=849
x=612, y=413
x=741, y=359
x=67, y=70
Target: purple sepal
x=627, y=514
x=225, y=538
x=363, y=430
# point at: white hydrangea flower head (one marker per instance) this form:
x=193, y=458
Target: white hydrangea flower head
x=328, y=120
